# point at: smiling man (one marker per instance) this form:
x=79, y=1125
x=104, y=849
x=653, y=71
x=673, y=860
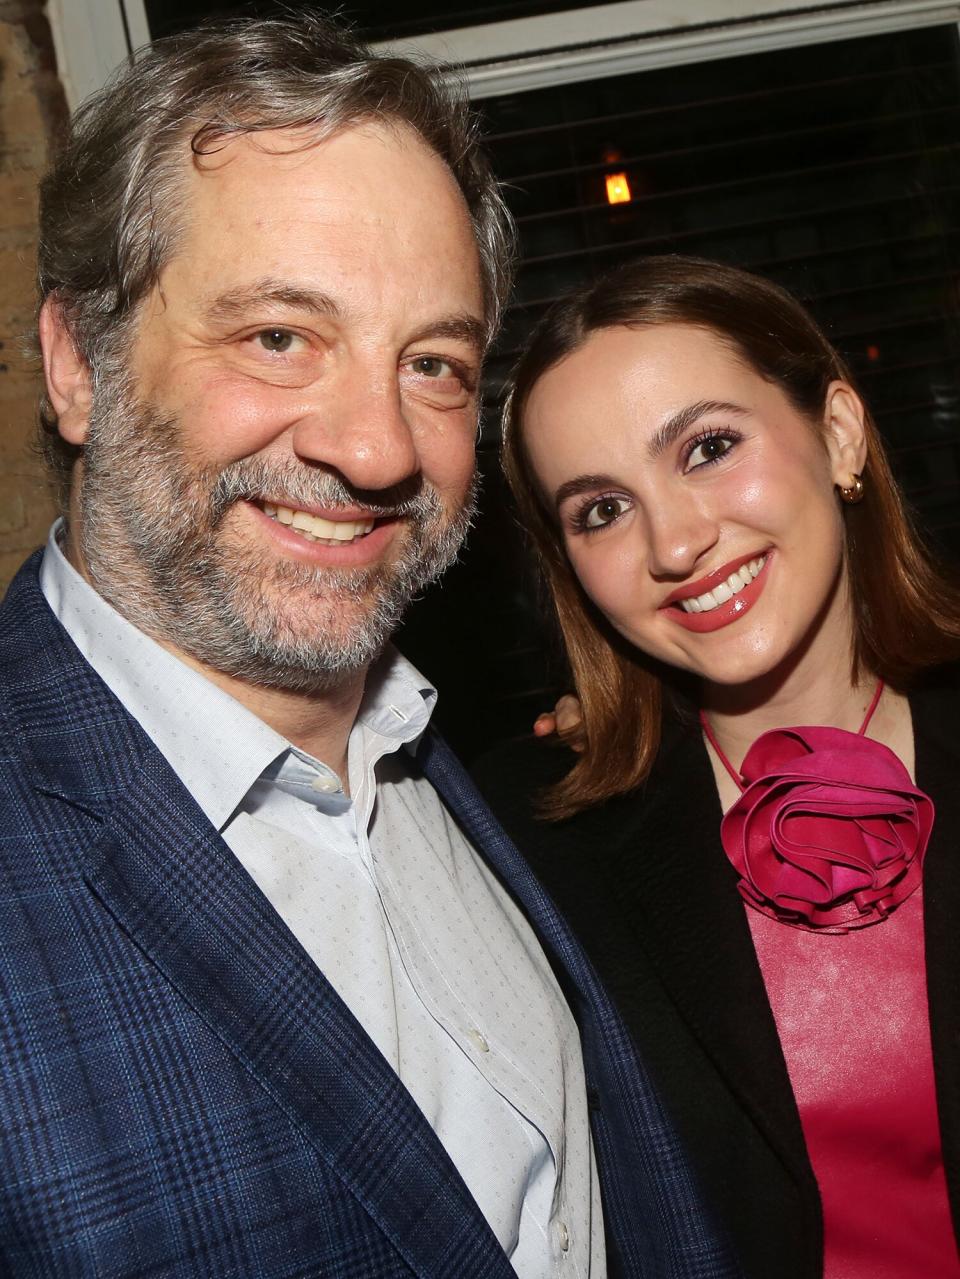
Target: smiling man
x=270, y=1003
x=286, y=455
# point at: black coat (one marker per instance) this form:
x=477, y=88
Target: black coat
x=645, y=883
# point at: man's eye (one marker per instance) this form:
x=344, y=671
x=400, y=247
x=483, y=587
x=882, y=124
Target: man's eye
x=277, y=341
x=432, y=366
x=603, y=512
x=710, y=449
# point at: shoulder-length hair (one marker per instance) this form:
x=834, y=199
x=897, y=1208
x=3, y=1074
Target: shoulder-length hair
x=906, y=610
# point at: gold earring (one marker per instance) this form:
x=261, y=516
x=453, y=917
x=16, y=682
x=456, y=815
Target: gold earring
x=854, y=493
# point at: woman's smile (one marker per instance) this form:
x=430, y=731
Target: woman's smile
x=721, y=597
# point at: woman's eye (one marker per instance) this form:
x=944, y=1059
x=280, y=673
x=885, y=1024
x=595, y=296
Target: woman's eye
x=709, y=450
x=603, y=512
x=276, y=341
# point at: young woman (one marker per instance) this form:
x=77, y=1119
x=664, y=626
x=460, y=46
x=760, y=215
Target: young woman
x=760, y=839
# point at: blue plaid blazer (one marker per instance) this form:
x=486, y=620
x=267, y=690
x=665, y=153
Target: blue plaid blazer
x=182, y=1093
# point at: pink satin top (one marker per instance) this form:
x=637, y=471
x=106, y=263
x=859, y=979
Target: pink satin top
x=851, y=1011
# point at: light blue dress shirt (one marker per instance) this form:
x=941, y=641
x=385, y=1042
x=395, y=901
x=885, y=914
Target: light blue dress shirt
x=396, y=908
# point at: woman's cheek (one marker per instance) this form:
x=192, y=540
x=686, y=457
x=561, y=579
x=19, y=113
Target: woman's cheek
x=608, y=573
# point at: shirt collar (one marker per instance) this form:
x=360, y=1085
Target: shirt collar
x=213, y=743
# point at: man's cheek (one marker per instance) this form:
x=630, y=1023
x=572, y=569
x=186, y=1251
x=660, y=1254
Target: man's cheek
x=230, y=418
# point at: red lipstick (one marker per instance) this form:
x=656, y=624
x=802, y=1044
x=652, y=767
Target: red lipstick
x=730, y=611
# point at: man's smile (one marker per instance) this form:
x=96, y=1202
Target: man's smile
x=316, y=529
x=346, y=539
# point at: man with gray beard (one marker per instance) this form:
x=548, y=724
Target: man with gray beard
x=271, y=998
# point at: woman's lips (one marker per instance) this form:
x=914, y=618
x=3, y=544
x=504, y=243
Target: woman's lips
x=723, y=614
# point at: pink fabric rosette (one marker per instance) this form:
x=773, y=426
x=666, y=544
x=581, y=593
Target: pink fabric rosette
x=829, y=833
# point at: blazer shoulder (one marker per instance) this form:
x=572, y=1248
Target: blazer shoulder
x=28, y=628
x=511, y=777
x=567, y=856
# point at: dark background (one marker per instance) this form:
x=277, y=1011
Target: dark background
x=834, y=169
x=374, y=19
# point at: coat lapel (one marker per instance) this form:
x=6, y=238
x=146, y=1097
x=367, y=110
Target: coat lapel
x=171, y=883
x=671, y=869
x=451, y=781
x=692, y=923
x=655, y=1218
x=936, y=713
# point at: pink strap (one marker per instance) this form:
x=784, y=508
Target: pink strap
x=871, y=708
x=721, y=754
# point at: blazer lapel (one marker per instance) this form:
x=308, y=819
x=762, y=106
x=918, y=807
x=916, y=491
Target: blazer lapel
x=172, y=884
x=671, y=871
x=194, y=911
x=655, y=1217
x=936, y=713
x=451, y=781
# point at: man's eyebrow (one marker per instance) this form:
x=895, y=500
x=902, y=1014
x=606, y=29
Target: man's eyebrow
x=237, y=303
x=675, y=426
x=462, y=327
x=581, y=484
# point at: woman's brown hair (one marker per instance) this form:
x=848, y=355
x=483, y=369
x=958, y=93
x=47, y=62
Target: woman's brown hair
x=906, y=609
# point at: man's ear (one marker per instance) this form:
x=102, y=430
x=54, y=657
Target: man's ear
x=844, y=433
x=69, y=384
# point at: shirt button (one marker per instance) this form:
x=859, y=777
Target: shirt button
x=478, y=1040
x=564, y=1235
x=326, y=785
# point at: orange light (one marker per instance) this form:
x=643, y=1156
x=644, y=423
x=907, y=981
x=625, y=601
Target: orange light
x=873, y=352
x=618, y=189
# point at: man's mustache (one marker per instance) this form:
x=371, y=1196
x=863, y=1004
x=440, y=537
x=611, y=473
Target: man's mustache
x=302, y=486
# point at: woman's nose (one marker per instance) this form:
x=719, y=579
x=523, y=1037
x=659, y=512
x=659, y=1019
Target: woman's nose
x=680, y=532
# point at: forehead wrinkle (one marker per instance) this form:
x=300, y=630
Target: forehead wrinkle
x=677, y=423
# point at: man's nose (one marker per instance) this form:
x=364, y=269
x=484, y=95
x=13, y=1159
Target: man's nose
x=361, y=432
x=680, y=531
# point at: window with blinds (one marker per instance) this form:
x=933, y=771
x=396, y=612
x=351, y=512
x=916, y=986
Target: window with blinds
x=834, y=169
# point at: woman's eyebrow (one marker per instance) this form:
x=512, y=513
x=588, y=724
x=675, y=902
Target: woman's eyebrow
x=665, y=435
x=580, y=484
x=675, y=425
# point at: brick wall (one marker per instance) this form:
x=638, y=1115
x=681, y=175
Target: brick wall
x=32, y=109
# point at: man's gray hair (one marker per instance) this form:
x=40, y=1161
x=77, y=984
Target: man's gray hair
x=108, y=207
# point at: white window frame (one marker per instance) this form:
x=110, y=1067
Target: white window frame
x=92, y=37
x=638, y=35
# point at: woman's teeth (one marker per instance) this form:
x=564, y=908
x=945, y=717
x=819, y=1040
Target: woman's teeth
x=726, y=590
x=314, y=529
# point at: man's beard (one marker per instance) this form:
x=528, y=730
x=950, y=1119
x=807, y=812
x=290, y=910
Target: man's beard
x=156, y=545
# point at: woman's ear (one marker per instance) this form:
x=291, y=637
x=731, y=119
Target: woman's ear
x=844, y=433
x=69, y=384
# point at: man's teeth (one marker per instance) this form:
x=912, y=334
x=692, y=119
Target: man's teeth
x=314, y=529
x=726, y=590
